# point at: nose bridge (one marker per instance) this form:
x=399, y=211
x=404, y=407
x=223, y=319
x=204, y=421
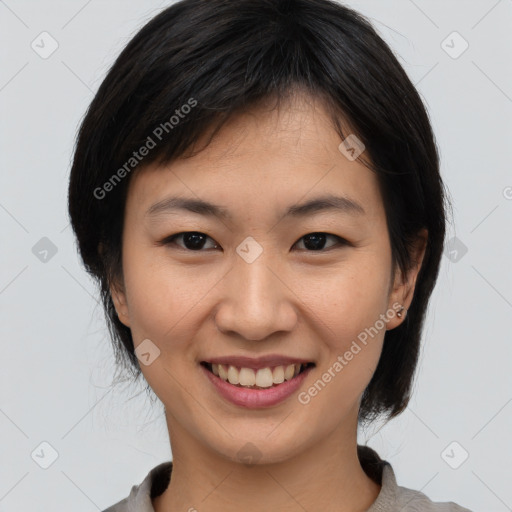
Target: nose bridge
x=255, y=302
x=258, y=285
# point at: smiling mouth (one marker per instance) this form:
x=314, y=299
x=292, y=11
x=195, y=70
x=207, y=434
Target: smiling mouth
x=262, y=378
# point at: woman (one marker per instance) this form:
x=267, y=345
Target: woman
x=256, y=189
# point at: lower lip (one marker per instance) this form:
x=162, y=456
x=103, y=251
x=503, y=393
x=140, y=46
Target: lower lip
x=256, y=398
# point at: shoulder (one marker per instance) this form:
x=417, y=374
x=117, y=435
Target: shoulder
x=415, y=501
x=141, y=495
x=393, y=497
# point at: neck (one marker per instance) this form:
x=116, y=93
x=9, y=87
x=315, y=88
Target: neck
x=326, y=476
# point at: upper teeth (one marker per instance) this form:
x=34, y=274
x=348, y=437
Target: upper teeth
x=263, y=378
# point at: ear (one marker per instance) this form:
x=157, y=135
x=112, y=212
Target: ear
x=404, y=284
x=118, y=295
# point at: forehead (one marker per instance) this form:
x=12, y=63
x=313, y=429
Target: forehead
x=262, y=157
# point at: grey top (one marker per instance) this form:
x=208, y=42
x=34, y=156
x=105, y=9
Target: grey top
x=391, y=498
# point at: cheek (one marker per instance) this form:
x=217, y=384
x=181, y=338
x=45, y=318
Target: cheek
x=162, y=301
x=351, y=297
x=349, y=307
x=162, y=310
x=158, y=295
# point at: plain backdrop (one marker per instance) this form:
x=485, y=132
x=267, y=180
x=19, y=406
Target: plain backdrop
x=453, y=442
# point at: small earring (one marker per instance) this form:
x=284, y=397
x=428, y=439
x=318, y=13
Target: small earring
x=399, y=314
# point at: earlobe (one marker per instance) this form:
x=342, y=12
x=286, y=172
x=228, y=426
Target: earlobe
x=401, y=312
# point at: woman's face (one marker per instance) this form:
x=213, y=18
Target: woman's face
x=253, y=284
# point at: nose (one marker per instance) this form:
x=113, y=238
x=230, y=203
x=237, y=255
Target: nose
x=256, y=300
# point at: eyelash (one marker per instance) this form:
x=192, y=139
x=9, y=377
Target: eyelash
x=170, y=240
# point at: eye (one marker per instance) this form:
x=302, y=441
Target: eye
x=316, y=241
x=192, y=240
x=195, y=241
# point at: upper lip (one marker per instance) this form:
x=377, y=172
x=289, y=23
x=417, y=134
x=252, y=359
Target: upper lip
x=257, y=362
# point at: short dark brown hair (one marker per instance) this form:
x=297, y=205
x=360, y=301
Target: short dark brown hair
x=227, y=56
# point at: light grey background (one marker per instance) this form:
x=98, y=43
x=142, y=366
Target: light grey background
x=56, y=357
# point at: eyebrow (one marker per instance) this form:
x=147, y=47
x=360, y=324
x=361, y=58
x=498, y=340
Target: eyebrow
x=320, y=204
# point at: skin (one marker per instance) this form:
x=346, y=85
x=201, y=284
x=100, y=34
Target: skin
x=291, y=300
